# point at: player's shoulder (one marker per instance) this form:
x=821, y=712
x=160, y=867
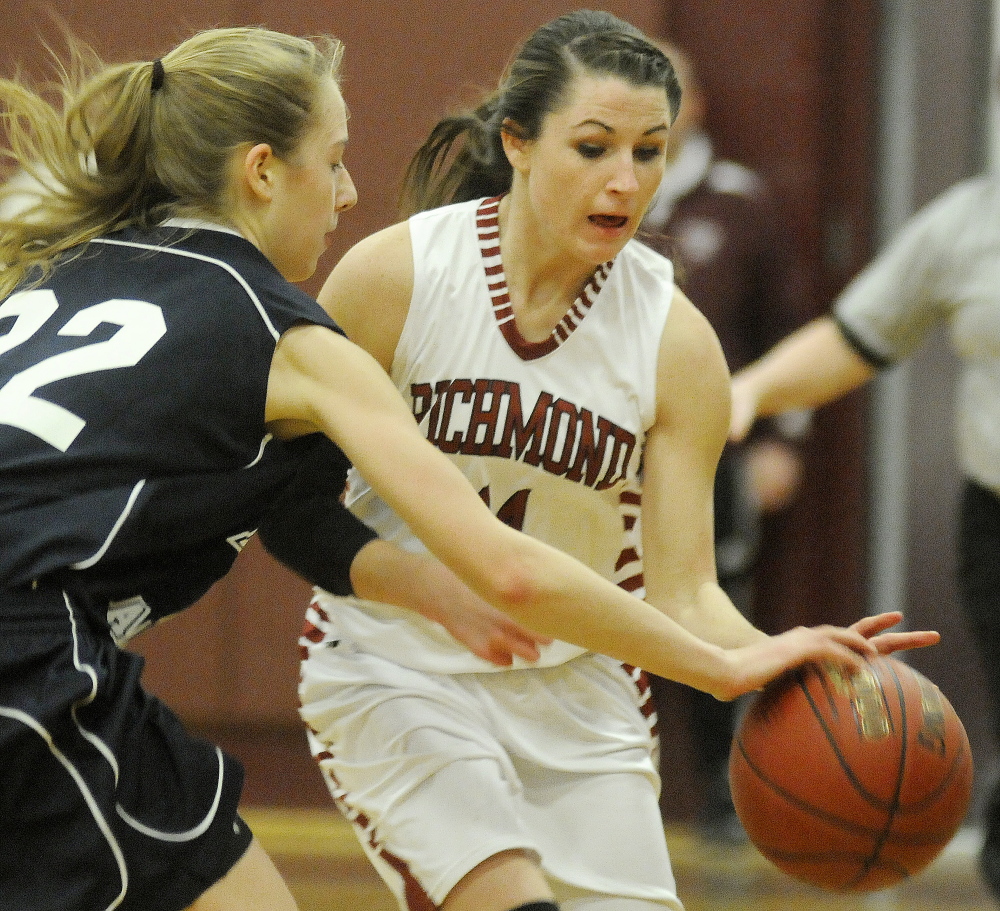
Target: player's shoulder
x=642, y=260
x=192, y=252
x=381, y=260
x=368, y=292
x=640, y=288
x=456, y=211
x=242, y=274
x=452, y=227
x=250, y=273
x=452, y=240
x=692, y=373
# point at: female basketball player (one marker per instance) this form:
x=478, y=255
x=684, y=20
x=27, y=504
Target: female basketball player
x=554, y=361
x=161, y=383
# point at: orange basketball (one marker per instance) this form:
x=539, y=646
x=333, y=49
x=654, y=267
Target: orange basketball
x=851, y=783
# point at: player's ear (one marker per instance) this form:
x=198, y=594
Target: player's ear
x=515, y=146
x=257, y=168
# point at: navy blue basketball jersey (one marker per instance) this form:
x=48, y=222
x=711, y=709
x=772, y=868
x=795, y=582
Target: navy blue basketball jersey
x=133, y=450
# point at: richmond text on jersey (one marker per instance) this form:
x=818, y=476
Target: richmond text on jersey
x=488, y=417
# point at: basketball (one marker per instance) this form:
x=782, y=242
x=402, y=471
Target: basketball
x=851, y=783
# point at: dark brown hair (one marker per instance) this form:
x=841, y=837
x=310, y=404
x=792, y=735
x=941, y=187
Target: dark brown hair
x=463, y=158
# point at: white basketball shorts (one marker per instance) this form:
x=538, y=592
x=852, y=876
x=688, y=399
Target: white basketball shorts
x=440, y=772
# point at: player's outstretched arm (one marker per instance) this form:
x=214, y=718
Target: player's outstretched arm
x=682, y=450
x=320, y=381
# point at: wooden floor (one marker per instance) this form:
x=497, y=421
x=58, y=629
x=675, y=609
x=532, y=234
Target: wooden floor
x=322, y=862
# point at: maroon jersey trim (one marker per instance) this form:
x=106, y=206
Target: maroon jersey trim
x=488, y=229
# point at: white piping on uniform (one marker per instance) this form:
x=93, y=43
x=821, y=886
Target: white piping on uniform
x=190, y=834
x=201, y=224
x=87, y=669
x=207, y=259
x=260, y=453
x=102, y=824
x=90, y=561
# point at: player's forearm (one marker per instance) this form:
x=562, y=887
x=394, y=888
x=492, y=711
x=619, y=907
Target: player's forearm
x=556, y=596
x=384, y=572
x=709, y=614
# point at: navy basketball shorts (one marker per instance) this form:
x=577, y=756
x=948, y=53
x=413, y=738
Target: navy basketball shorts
x=106, y=802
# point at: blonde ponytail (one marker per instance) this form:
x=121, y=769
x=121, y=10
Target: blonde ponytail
x=135, y=143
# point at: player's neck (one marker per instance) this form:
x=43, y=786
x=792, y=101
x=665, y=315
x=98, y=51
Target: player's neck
x=543, y=278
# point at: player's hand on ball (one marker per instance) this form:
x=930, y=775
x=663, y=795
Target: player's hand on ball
x=756, y=665
x=874, y=630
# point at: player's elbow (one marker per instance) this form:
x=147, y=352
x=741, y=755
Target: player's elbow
x=516, y=584
x=516, y=592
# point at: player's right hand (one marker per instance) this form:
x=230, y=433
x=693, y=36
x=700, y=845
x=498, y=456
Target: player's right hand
x=756, y=665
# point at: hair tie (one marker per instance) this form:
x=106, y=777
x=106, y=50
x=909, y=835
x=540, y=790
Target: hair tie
x=158, y=75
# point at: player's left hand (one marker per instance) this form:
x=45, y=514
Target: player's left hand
x=489, y=633
x=874, y=629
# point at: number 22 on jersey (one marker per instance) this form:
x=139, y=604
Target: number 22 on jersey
x=141, y=326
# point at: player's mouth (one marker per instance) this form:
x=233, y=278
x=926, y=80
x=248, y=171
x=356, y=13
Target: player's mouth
x=609, y=222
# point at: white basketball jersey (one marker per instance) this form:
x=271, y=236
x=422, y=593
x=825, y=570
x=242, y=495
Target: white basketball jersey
x=550, y=434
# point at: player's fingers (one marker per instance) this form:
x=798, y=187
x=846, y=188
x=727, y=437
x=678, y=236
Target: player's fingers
x=495, y=655
x=874, y=628
x=877, y=623
x=850, y=638
x=525, y=649
x=887, y=643
x=523, y=636
x=511, y=639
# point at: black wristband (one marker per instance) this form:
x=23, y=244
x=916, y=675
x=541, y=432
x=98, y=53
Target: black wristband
x=309, y=529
